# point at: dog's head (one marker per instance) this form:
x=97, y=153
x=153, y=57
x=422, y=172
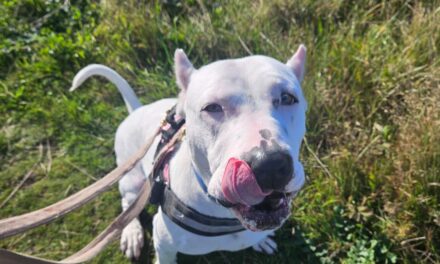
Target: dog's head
x=245, y=124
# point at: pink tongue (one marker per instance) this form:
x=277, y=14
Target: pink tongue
x=239, y=184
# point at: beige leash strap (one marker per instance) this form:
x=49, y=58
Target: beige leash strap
x=8, y=257
x=113, y=230
x=19, y=224
x=93, y=248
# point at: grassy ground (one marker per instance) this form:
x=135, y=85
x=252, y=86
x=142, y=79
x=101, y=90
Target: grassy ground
x=372, y=154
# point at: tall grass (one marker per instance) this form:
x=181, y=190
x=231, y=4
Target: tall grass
x=372, y=153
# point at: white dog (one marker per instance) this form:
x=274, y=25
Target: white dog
x=238, y=163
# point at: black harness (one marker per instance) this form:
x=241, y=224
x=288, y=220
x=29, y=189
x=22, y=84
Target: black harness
x=181, y=214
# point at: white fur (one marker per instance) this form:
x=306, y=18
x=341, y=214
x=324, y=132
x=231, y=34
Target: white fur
x=245, y=88
x=131, y=101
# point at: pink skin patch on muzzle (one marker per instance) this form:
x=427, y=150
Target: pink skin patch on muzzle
x=239, y=184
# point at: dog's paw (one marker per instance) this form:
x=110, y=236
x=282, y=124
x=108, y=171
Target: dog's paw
x=266, y=245
x=132, y=239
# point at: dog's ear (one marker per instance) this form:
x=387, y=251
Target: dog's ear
x=298, y=62
x=183, y=68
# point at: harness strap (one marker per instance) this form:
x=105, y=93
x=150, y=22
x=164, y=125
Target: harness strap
x=171, y=124
x=194, y=221
x=181, y=214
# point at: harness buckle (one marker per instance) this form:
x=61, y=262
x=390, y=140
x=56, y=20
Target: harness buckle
x=157, y=190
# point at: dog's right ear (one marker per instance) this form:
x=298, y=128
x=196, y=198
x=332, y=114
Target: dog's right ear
x=183, y=68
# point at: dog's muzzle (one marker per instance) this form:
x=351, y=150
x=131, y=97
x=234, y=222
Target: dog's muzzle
x=255, y=188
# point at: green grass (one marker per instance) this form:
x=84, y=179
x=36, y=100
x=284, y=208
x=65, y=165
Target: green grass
x=373, y=143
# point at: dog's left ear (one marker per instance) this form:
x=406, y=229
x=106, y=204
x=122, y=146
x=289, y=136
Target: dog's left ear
x=298, y=62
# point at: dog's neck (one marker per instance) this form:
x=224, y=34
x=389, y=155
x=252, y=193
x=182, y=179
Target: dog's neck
x=184, y=184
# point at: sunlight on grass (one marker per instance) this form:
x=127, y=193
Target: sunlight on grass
x=372, y=82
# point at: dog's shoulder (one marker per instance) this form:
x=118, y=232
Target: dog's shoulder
x=140, y=125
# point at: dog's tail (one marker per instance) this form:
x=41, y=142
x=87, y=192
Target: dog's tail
x=130, y=99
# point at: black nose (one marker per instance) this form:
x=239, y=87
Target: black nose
x=273, y=169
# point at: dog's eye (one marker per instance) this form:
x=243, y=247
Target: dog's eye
x=213, y=108
x=288, y=99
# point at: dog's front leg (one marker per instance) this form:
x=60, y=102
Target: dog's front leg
x=266, y=245
x=164, y=255
x=132, y=238
x=164, y=245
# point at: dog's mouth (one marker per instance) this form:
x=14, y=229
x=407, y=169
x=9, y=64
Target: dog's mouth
x=268, y=214
x=257, y=210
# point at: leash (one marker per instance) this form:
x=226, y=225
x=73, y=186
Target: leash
x=19, y=224
x=113, y=231
x=155, y=190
